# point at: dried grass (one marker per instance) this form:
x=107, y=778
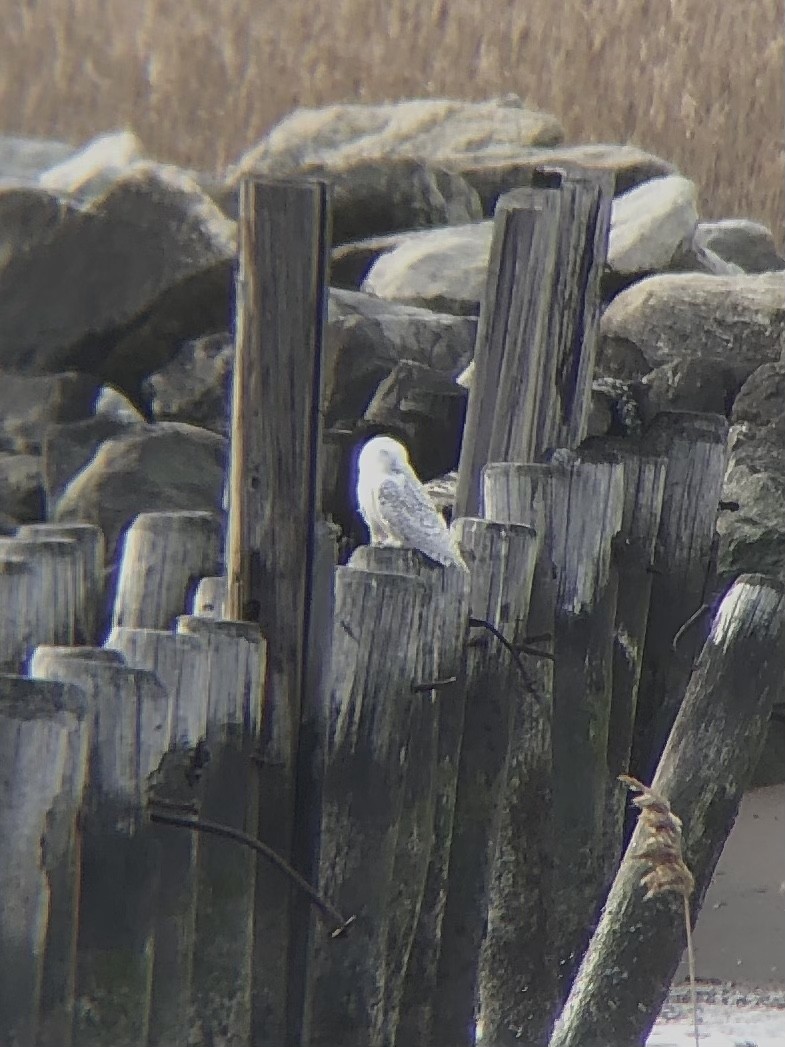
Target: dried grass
x=698, y=81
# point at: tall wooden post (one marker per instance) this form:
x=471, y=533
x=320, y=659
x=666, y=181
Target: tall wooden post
x=273, y=502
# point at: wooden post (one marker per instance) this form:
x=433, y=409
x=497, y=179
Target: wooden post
x=50, y=603
x=17, y=585
x=273, y=504
x=129, y=710
x=181, y=664
x=210, y=598
x=92, y=547
x=440, y=660
x=43, y=752
x=644, y=486
x=695, y=447
x=584, y=503
x=415, y=1017
x=707, y=763
x=221, y=1000
x=539, y=324
x=377, y=642
x=502, y=559
x=164, y=554
x=519, y=996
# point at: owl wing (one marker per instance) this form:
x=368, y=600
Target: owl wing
x=410, y=516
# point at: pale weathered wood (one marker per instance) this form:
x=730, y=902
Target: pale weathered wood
x=518, y=985
x=164, y=555
x=17, y=585
x=221, y=994
x=707, y=763
x=274, y=498
x=695, y=447
x=501, y=558
x=644, y=486
x=416, y=1006
x=445, y=620
x=129, y=710
x=377, y=643
x=210, y=598
x=46, y=602
x=583, y=504
x=512, y=325
x=181, y=663
x=43, y=753
x=539, y=324
x=92, y=546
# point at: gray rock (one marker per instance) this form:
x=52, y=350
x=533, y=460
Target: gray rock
x=753, y=537
x=69, y=447
x=695, y=258
x=493, y=172
x=194, y=386
x=114, y=287
x=112, y=404
x=435, y=130
x=747, y=244
x=737, y=322
x=168, y=466
x=384, y=195
x=687, y=385
x=351, y=263
x=367, y=337
x=22, y=487
x=442, y=269
x=30, y=403
x=23, y=159
x=27, y=216
x=651, y=224
x=95, y=166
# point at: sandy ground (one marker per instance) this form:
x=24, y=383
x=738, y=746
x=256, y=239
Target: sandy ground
x=739, y=940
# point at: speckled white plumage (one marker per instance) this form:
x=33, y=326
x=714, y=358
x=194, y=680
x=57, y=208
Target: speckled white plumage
x=397, y=508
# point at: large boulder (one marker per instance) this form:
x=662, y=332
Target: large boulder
x=752, y=538
x=384, y=195
x=437, y=131
x=492, y=171
x=22, y=487
x=441, y=269
x=69, y=447
x=651, y=224
x=367, y=337
x=23, y=159
x=746, y=244
x=29, y=404
x=114, y=287
x=195, y=385
x=168, y=466
x=737, y=322
x=95, y=166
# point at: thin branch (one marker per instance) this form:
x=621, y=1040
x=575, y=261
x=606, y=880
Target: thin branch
x=336, y=921
x=481, y=623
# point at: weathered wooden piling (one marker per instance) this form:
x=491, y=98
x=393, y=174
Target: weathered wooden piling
x=129, y=711
x=501, y=558
x=181, y=663
x=695, y=448
x=708, y=761
x=48, y=598
x=377, y=643
x=519, y=996
x=644, y=486
x=538, y=328
x=221, y=995
x=583, y=503
x=17, y=585
x=210, y=597
x=440, y=664
x=43, y=751
x=164, y=556
x=274, y=498
x=92, y=547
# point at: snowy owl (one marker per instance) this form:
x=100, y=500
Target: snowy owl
x=396, y=507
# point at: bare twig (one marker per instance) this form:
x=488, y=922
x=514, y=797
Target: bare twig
x=335, y=920
x=481, y=623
